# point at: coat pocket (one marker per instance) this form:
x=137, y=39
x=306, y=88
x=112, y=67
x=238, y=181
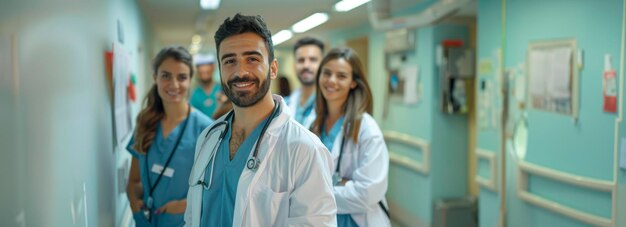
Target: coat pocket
x=269, y=208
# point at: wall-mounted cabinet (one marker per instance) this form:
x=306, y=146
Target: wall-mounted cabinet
x=457, y=75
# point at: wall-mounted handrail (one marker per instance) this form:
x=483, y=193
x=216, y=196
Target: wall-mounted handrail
x=418, y=143
x=559, y=208
x=601, y=185
x=525, y=168
x=491, y=157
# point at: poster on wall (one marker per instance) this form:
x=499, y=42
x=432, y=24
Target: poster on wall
x=121, y=104
x=553, y=80
x=412, y=84
x=404, y=84
x=489, y=102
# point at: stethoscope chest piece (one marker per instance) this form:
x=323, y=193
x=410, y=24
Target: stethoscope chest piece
x=252, y=164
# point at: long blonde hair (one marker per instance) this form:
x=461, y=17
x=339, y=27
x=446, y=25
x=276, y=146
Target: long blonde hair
x=359, y=99
x=153, y=113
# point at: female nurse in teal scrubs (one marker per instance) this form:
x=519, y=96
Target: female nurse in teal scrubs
x=164, y=142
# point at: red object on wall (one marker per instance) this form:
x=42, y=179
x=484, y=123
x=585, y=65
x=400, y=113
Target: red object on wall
x=452, y=43
x=609, y=91
x=108, y=67
x=131, y=91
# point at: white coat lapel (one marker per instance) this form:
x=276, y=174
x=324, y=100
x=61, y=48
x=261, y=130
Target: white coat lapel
x=204, y=155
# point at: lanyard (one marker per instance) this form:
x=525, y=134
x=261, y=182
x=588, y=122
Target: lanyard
x=343, y=140
x=152, y=187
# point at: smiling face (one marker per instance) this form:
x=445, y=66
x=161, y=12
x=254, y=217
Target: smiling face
x=245, y=69
x=308, y=59
x=172, y=80
x=336, y=81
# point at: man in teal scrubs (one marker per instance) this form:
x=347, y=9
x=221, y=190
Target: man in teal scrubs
x=204, y=97
x=220, y=198
x=308, y=52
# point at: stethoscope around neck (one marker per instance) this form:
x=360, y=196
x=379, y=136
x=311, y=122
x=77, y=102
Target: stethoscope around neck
x=252, y=163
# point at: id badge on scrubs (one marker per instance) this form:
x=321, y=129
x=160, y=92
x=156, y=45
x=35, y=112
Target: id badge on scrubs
x=149, y=206
x=147, y=214
x=150, y=203
x=156, y=168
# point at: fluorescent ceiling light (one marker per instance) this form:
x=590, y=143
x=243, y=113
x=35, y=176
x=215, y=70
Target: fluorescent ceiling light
x=310, y=22
x=281, y=36
x=194, y=48
x=347, y=5
x=209, y=4
x=196, y=39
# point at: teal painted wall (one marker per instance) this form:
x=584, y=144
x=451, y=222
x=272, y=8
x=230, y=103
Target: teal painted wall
x=415, y=120
x=489, y=20
x=584, y=147
x=450, y=132
x=621, y=172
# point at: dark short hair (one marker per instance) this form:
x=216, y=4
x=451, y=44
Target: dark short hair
x=177, y=53
x=309, y=41
x=240, y=24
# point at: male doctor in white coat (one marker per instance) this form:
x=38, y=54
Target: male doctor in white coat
x=256, y=166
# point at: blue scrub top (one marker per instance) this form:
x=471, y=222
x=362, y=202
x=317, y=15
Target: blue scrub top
x=329, y=142
x=175, y=187
x=206, y=103
x=218, y=202
x=302, y=112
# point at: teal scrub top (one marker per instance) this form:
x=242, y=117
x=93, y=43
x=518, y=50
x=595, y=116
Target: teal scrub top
x=206, y=103
x=176, y=186
x=302, y=112
x=329, y=141
x=218, y=202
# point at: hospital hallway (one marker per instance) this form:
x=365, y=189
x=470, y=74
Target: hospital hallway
x=494, y=113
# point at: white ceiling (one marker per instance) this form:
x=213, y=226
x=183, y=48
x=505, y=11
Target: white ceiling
x=176, y=21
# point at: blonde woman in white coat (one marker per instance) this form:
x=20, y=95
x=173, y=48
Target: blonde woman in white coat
x=345, y=126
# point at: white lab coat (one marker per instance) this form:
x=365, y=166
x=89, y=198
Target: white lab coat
x=366, y=165
x=292, y=185
x=293, y=101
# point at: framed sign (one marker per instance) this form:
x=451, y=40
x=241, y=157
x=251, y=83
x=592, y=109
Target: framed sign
x=553, y=77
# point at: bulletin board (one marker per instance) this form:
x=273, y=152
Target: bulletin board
x=553, y=77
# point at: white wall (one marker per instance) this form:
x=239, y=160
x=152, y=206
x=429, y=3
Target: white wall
x=58, y=165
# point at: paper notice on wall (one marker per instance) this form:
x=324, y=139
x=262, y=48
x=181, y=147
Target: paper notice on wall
x=485, y=67
x=412, y=84
x=538, y=71
x=551, y=76
x=558, y=80
x=121, y=109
